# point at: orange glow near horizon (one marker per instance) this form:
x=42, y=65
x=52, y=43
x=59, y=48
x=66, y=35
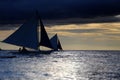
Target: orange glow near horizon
x=93, y=36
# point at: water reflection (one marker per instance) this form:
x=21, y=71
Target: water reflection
x=67, y=65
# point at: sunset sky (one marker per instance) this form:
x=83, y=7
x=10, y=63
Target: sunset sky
x=80, y=24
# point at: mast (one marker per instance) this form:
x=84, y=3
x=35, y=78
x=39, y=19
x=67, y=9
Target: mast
x=38, y=29
x=38, y=34
x=26, y=35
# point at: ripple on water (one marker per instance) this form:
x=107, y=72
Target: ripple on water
x=66, y=65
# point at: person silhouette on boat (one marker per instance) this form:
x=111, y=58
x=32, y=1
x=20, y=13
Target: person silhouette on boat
x=23, y=49
x=20, y=50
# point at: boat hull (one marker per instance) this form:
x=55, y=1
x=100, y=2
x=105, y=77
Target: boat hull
x=32, y=52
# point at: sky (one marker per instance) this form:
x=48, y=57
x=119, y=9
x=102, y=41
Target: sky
x=80, y=24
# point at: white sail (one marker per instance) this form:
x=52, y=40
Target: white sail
x=26, y=35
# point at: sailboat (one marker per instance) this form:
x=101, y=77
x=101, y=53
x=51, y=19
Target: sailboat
x=56, y=43
x=31, y=34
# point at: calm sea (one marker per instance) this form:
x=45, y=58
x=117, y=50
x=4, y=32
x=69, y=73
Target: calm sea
x=65, y=65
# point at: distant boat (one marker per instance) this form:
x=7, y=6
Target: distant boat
x=31, y=34
x=56, y=43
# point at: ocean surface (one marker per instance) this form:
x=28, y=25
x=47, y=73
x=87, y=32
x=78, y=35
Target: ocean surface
x=63, y=65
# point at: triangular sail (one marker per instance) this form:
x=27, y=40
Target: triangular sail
x=59, y=45
x=44, y=37
x=26, y=35
x=56, y=43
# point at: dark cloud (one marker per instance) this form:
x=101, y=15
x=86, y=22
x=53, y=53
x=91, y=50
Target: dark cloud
x=106, y=19
x=16, y=11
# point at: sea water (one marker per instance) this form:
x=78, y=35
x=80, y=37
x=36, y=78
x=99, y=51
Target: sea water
x=63, y=65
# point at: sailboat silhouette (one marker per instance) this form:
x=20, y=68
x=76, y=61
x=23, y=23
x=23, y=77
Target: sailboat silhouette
x=31, y=34
x=56, y=43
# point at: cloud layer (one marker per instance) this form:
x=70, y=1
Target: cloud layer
x=94, y=31
x=14, y=11
x=92, y=36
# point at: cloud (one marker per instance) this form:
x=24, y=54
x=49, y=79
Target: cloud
x=9, y=26
x=16, y=11
x=93, y=31
x=84, y=30
x=106, y=19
